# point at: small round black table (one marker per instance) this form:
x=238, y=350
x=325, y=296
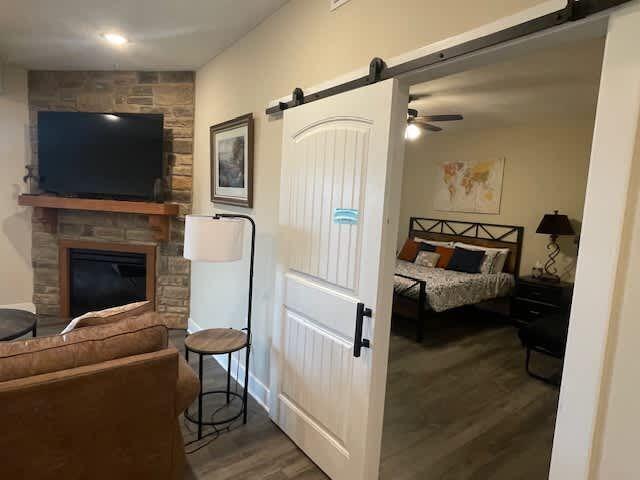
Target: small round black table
x=16, y=323
x=215, y=341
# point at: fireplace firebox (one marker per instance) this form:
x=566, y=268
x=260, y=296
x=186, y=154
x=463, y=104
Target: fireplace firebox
x=103, y=279
x=96, y=275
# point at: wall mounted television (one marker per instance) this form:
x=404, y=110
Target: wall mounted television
x=101, y=155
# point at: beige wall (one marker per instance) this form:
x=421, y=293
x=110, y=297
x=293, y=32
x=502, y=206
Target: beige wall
x=16, y=284
x=619, y=421
x=546, y=168
x=302, y=44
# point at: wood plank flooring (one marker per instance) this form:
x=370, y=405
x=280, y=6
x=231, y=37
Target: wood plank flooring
x=459, y=406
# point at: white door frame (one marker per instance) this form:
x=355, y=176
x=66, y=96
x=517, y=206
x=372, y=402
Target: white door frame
x=605, y=206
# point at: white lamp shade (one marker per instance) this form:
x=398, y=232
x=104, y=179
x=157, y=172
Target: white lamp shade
x=207, y=239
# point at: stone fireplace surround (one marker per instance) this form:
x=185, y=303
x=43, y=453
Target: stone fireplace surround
x=169, y=93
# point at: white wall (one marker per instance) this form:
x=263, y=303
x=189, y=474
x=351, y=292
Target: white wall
x=16, y=281
x=616, y=452
x=301, y=44
x=546, y=168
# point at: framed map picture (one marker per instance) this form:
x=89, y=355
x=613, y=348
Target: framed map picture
x=469, y=186
x=232, y=161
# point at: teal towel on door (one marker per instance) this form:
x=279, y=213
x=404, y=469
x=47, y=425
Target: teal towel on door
x=346, y=216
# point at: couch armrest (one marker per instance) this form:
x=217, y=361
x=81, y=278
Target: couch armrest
x=108, y=420
x=187, y=386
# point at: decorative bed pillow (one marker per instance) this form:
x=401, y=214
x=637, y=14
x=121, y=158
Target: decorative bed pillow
x=468, y=261
x=490, y=258
x=498, y=262
x=109, y=315
x=445, y=255
x=427, y=247
x=427, y=259
x=409, y=251
x=435, y=243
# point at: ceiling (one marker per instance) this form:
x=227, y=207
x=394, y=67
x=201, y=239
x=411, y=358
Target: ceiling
x=163, y=34
x=548, y=85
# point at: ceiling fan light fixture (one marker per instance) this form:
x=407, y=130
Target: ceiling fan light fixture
x=412, y=132
x=115, y=38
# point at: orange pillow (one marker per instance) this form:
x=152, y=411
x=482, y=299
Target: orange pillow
x=409, y=251
x=445, y=255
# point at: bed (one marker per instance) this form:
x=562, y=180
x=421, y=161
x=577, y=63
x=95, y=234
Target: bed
x=421, y=291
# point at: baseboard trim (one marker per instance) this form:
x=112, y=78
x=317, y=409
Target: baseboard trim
x=29, y=307
x=257, y=389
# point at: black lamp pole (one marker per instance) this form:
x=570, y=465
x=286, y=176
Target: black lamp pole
x=248, y=328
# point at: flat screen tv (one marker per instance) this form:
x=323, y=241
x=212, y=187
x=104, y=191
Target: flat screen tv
x=100, y=155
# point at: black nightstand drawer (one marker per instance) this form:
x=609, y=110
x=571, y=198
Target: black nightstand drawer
x=541, y=293
x=528, y=310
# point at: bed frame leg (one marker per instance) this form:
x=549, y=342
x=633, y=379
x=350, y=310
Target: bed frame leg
x=422, y=297
x=420, y=328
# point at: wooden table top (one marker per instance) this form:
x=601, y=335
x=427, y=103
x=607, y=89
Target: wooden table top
x=15, y=323
x=216, y=341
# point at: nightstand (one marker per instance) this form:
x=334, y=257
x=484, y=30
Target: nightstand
x=534, y=298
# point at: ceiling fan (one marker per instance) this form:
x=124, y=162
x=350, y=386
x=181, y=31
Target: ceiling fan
x=416, y=123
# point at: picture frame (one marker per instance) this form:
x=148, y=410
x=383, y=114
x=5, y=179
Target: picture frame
x=231, y=144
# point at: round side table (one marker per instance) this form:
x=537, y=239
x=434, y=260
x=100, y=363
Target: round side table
x=215, y=341
x=16, y=323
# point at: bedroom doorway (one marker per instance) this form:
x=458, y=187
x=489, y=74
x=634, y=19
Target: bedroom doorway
x=608, y=204
x=496, y=161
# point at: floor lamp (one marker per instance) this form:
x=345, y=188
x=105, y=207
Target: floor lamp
x=219, y=238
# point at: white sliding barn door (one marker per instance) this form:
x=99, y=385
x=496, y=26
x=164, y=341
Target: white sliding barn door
x=341, y=156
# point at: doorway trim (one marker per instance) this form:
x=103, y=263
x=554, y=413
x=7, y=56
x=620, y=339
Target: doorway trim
x=605, y=206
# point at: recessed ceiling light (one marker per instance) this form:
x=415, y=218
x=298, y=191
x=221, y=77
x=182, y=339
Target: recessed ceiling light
x=115, y=38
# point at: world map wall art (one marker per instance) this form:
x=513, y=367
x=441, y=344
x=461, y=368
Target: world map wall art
x=469, y=186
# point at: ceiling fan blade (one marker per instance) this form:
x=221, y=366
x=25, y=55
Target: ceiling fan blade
x=428, y=126
x=441, y=118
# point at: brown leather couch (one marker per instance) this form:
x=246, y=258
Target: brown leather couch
x=100, y=402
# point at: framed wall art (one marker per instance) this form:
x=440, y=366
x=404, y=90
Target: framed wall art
x=232, y=161
x=469, y=186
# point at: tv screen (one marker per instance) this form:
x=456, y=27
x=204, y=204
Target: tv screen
x=100, y=154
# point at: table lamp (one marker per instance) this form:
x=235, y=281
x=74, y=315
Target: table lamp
x=219, y=238
x=554, y=225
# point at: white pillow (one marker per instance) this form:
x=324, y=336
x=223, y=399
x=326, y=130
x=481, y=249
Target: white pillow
x=433, y=242
x=106, y=313
x=497, y=261
x=427, y=259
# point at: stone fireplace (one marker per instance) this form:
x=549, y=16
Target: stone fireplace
x=169, y=93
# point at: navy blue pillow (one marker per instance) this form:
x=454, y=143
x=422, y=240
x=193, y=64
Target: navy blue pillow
x=427, y=247
x=468, y=261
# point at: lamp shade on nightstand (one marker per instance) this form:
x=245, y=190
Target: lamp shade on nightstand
x=555, y=224
x=210, y=239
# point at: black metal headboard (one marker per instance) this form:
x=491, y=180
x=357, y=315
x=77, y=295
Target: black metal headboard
x=475, y=233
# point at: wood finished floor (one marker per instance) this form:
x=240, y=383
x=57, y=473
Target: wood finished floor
x=459, y=406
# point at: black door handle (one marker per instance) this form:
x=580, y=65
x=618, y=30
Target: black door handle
x=358, y=341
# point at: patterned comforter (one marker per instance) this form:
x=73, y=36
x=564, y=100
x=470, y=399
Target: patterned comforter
x=447, y=289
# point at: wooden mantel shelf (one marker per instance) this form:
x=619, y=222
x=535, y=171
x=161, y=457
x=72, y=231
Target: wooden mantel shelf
x=159, y=213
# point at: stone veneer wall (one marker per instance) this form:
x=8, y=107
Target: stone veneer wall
x=170, y=93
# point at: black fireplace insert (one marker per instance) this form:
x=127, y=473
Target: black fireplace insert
x=102, y=279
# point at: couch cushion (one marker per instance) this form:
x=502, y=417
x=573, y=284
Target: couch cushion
x=109, y=315
x=187, y=387
x=85, y=346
